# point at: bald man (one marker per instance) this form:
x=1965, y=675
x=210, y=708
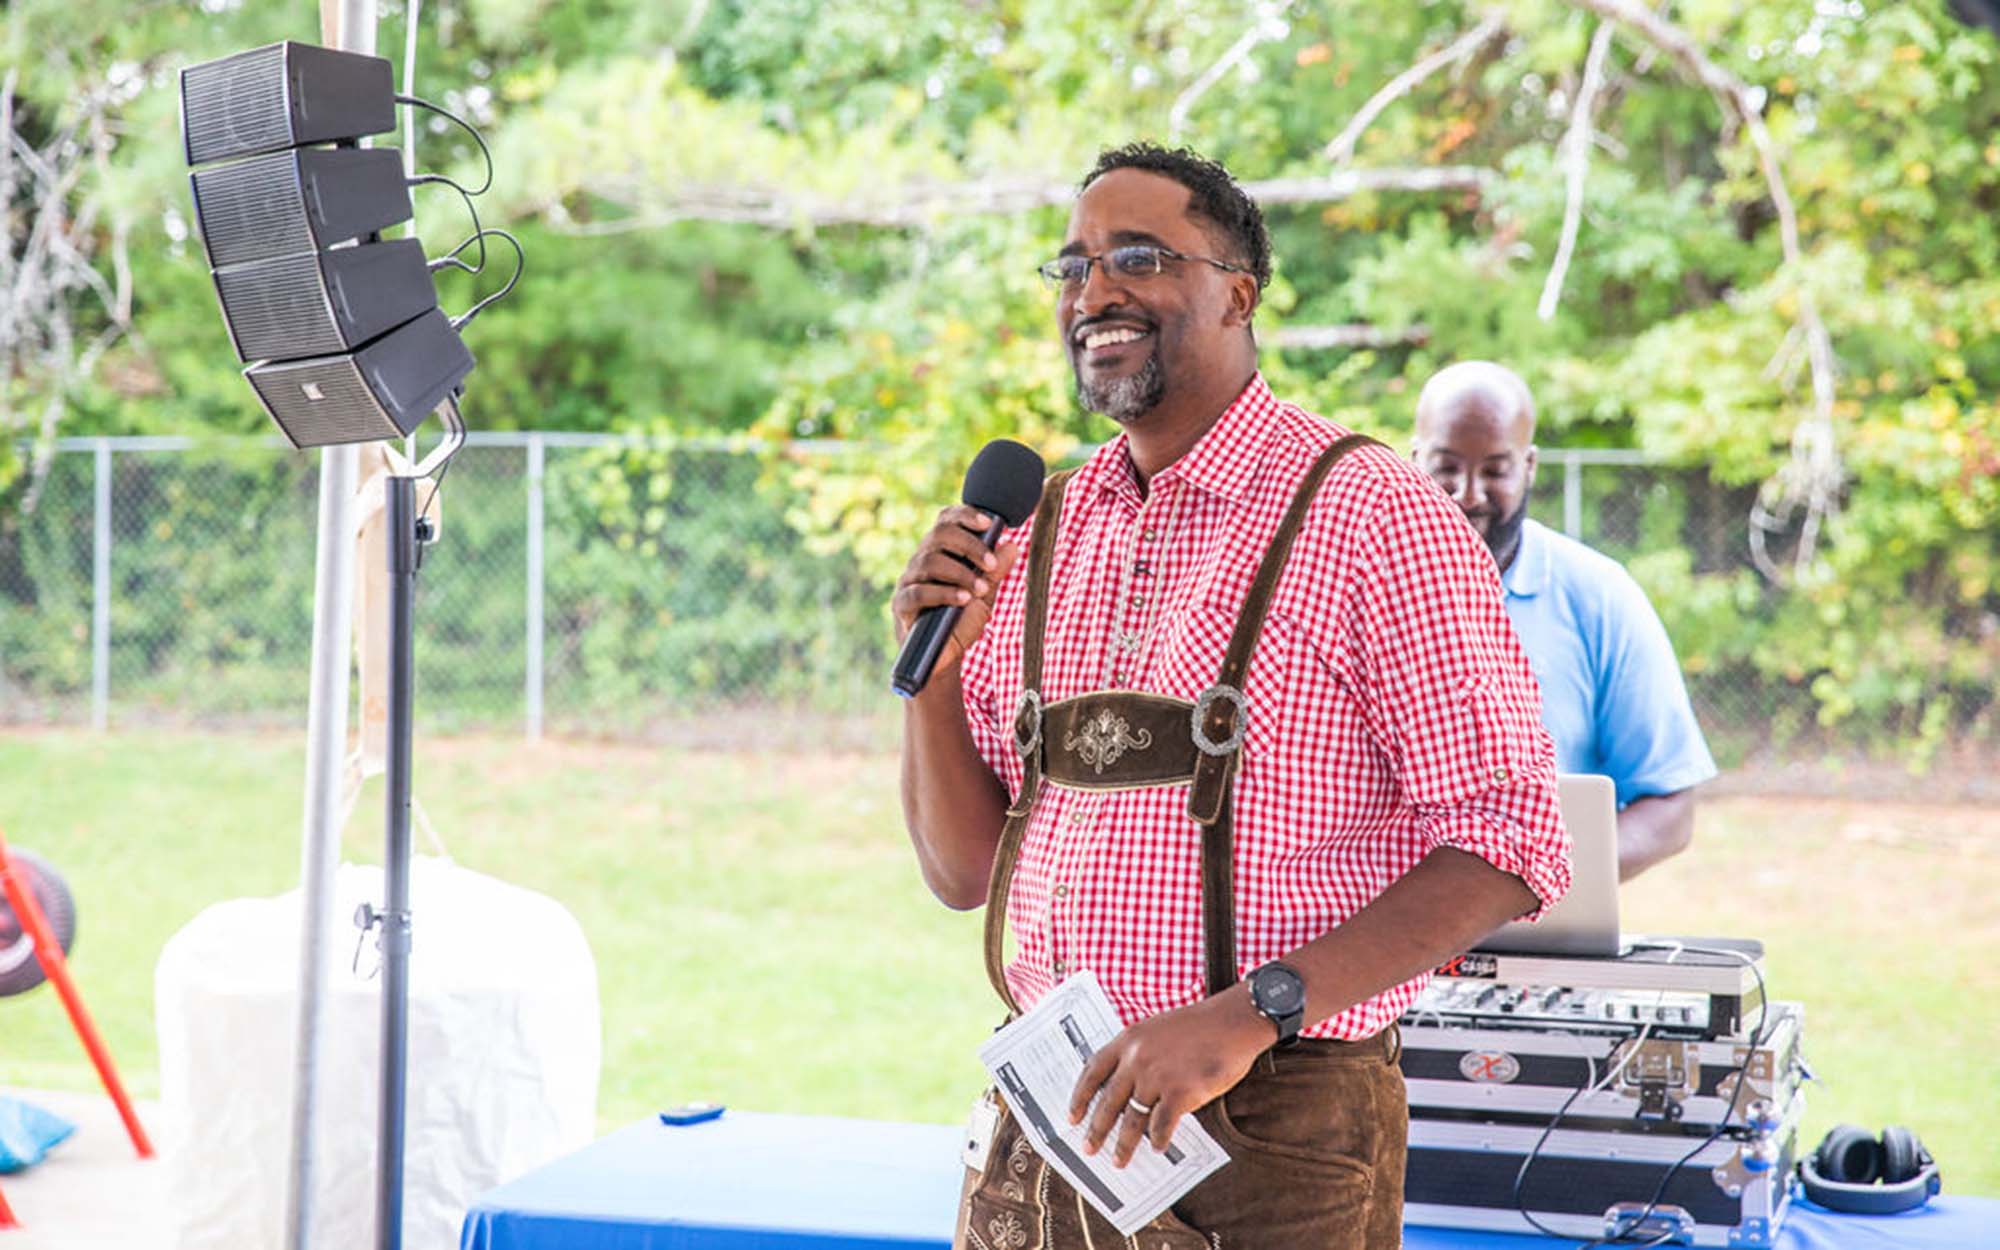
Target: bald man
x=1612, y=695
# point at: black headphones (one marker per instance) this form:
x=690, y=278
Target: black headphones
x=1854, y=1172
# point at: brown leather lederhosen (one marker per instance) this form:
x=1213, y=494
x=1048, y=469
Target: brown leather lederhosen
x=1126, y=739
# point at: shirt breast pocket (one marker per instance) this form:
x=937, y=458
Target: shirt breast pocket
x=1285, y=690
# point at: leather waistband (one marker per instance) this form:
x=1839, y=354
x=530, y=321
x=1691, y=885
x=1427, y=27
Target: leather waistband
x=1386, y=1046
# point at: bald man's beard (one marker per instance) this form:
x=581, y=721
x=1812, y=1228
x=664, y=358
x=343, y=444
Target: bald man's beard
x=1504, y=535
x=1125, y=399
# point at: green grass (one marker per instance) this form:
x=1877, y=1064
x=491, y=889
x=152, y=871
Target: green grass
x=762, y=937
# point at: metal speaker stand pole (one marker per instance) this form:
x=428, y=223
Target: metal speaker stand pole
x=405, y=544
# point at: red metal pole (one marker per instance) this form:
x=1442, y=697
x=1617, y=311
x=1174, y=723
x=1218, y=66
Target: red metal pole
x=48, y=953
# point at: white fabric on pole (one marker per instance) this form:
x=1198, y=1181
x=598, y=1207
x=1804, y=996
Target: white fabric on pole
x=504, y=1059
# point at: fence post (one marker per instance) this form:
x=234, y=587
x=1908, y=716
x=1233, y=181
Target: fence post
x=100, y=593
x=534, y=647
x=1572, y=496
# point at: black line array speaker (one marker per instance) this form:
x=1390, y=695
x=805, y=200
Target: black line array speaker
x=342, y=330
x=317, y=303
x=383, y=390
x=299, y=201
x=283, y=95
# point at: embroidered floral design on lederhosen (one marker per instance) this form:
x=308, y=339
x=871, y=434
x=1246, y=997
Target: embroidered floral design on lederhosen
x=1103, y=738
x=1018, y=1161
x=1006, y=1229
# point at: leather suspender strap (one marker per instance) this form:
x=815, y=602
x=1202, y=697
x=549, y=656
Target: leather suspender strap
x=1220, y=719
x=1027, y=731
x=1221, y=712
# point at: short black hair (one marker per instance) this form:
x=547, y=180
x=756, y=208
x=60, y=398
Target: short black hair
x=1212, y=193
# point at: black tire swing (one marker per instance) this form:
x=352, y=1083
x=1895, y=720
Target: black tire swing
x=20, y=971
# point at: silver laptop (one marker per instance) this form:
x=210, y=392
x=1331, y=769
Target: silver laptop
x=1585, y=922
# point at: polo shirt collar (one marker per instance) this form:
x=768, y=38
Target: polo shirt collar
x=1528, y=576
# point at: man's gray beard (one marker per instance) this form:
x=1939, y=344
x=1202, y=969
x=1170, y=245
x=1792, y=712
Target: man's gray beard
x=1126, y=399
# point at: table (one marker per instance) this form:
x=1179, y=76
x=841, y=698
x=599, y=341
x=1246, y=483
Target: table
x=782, y=1182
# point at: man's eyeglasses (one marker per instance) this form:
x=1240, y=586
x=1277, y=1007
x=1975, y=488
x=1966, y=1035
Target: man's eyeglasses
x=1134, y=260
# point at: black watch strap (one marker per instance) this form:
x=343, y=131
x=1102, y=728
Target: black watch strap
x=1278, y=993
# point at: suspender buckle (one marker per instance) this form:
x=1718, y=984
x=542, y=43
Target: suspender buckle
x=1239, y=720
x=1028, y=722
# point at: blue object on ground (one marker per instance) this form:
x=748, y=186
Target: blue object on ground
x=27, y=1132
x=750, y=1181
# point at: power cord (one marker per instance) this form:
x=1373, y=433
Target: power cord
x=1624, y=1236
x=520, y=263
x=470, y=129
x=450, y=259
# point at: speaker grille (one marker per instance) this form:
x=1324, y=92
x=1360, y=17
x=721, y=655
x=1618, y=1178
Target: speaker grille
x=321, y=402
x=278, y=309
x=253, y=210
x=236, y=105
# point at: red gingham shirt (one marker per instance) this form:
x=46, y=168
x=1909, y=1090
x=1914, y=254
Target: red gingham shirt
x=1391, y=709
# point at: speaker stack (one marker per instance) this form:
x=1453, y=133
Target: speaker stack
x=340, y=329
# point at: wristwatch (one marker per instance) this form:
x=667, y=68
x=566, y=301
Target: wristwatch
x=1279, y=993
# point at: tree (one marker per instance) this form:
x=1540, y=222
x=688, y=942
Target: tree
x=1756, y=240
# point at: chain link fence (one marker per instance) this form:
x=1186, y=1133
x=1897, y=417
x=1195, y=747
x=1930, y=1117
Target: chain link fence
x=583, y=585
x=607, y=587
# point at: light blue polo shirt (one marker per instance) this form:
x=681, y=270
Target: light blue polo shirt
x=1612, y=695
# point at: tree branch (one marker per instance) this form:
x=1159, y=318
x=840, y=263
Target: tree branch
x=1341, y=150
x=921, y=205
x=50, y=216
x=1576, y=158
x=1812, y=478
x=1347, y=337
x=1269, y=24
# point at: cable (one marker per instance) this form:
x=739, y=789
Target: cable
x=478, y=235
x=469, y=129
x=1758, y=1037
x=455, y=422
x=521, y=263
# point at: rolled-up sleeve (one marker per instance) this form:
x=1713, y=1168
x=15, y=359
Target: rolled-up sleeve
x=1447, y=692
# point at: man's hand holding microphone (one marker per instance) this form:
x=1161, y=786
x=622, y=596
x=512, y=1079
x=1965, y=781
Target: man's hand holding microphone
x=946, y=593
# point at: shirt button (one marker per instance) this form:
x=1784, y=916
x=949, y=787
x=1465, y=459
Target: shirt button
x=1149, y=534
x=1062, y=891
x=1138, y=601
x=1058, y=967
x=1079, y=817
x=1500, y=774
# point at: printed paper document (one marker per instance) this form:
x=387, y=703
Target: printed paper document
x=1035, y=1062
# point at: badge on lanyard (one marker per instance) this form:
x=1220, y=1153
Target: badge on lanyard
x=979, y=1130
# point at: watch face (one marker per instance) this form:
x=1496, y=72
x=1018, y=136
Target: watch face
x=1278, y=991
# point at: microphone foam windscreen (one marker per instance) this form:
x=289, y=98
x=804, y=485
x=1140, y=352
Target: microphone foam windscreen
x=1006, y=480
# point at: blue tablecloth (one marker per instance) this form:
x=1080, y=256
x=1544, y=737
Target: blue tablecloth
x=782, y=1182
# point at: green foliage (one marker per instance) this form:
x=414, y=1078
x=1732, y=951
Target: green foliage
x=1674, y=334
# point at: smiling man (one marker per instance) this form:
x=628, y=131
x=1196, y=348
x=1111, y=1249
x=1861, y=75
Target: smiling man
x=1612, y=695
x=1246, y=734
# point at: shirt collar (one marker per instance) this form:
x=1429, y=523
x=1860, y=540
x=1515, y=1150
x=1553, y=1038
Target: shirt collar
x=1528, y=576
x=1224, y=461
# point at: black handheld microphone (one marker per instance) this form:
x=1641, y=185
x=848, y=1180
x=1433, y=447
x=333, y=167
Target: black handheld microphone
x=1005, y=480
